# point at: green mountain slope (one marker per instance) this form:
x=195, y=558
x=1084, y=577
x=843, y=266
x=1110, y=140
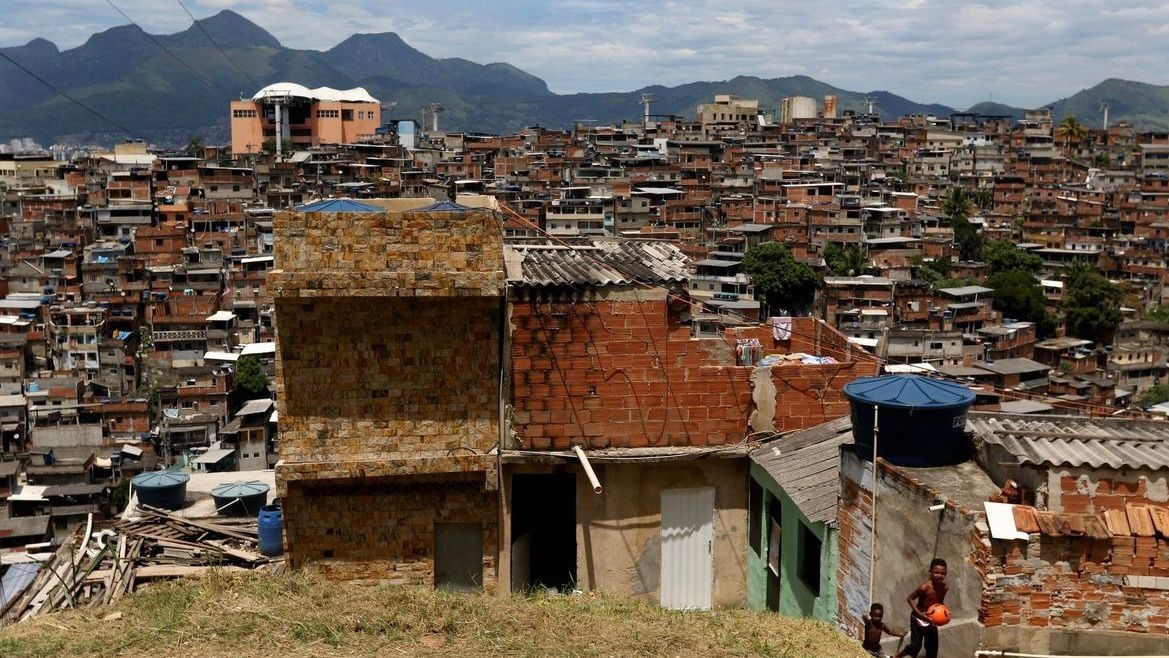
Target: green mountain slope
x=1145, y=106
x=123, y=74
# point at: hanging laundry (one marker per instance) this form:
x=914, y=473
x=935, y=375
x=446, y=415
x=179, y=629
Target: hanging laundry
x=781, y=328
x=748, y=351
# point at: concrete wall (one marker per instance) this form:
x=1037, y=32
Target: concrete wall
x=65, y=436
x=1067, y=642
x=619, y=532
x=908, y=537
x=1099, y=489
x=796, y=599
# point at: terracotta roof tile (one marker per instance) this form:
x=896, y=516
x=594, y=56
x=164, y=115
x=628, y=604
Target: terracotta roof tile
x=1025, y=520
x=1117, y=522
x=1051, y=524
x=1095, y=527
x=1139, y=521
x=1160, y=517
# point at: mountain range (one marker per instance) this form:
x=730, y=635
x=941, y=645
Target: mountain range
x=168, y=95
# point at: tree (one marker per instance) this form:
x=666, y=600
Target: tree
x=1091, y=303
x=845, y=261
x=195, y=146
x=1071, y=131
x=1156, y=395
x=1004, y=256
x=270, y=145
x=959, y=205
x=250, y=380
x=1018, y=295
x=967, y=238
x=782, y=283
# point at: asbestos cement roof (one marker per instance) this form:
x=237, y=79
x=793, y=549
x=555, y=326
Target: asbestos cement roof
x=1076, y=440
x=807, y=465
x=601, y=263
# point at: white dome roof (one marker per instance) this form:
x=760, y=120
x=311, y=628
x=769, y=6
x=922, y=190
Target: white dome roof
x=285, y=89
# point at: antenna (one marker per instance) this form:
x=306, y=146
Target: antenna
x=1105, y=107
x=646, y=100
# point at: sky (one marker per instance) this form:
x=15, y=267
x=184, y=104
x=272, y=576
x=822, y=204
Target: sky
x=957, y=53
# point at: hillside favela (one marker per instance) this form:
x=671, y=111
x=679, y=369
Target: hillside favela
x=322, y=345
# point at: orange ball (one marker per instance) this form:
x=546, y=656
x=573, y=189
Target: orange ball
x=939, y=614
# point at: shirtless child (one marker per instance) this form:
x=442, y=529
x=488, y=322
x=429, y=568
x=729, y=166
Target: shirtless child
x=874, y=628
x=921, y=629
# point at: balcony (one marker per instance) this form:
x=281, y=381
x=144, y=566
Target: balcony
x=173, y=336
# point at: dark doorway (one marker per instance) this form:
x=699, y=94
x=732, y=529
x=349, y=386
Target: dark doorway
x=458, y=556
x=543, y=531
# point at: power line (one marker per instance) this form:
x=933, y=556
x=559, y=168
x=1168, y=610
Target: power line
x=167, y=50
x=838, y=351
x=217, y=46
x=66, y=95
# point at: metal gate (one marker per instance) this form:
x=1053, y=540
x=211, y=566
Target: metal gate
x=687, y=538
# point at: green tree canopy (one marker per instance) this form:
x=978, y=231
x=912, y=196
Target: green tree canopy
x=845, y=261
x=1004, y=256
x=250, y=380
x=1156, y=395
x=1091, y=303
x=1018, y=295
x=780, y=281
x=967, y=238
x=1071, y=130
x=195, y=146
x=959, y=204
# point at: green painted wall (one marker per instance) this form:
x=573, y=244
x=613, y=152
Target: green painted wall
x=796, y=599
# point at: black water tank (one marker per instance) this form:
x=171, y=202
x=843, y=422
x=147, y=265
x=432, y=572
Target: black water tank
x=922, y=421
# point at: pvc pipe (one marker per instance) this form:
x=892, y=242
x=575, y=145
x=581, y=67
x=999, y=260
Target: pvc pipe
x=588, y=469
x=873, y=535
x=994, y=653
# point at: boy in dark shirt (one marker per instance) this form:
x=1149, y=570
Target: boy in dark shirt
x=874, y=627
x=921, y=630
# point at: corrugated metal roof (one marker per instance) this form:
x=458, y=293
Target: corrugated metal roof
x=807, y=465
x=603, y=262
x=1076, y=440
x=255, y=407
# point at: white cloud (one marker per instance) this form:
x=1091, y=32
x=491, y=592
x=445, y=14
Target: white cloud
x=928, y=50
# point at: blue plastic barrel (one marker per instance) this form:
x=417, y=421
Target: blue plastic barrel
x=271, y=524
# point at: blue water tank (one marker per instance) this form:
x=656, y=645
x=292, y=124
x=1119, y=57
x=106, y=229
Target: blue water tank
x=162, y=489
x=921, y=421
x=271, y=526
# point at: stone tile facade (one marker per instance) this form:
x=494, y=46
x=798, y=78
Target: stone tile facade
x=388, y=370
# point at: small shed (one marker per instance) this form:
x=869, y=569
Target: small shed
x=792, y=536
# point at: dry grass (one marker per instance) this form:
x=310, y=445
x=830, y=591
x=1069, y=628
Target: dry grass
x=255, y=615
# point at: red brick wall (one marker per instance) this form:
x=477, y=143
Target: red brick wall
x=626, y=373
x=1077, y=583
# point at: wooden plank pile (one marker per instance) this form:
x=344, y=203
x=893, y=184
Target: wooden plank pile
x=96, y=568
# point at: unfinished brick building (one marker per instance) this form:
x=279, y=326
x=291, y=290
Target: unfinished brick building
x=1085, y=570
x=388, y=370
x=601, y=361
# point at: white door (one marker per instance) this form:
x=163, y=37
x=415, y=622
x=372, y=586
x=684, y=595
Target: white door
x=687, y=538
